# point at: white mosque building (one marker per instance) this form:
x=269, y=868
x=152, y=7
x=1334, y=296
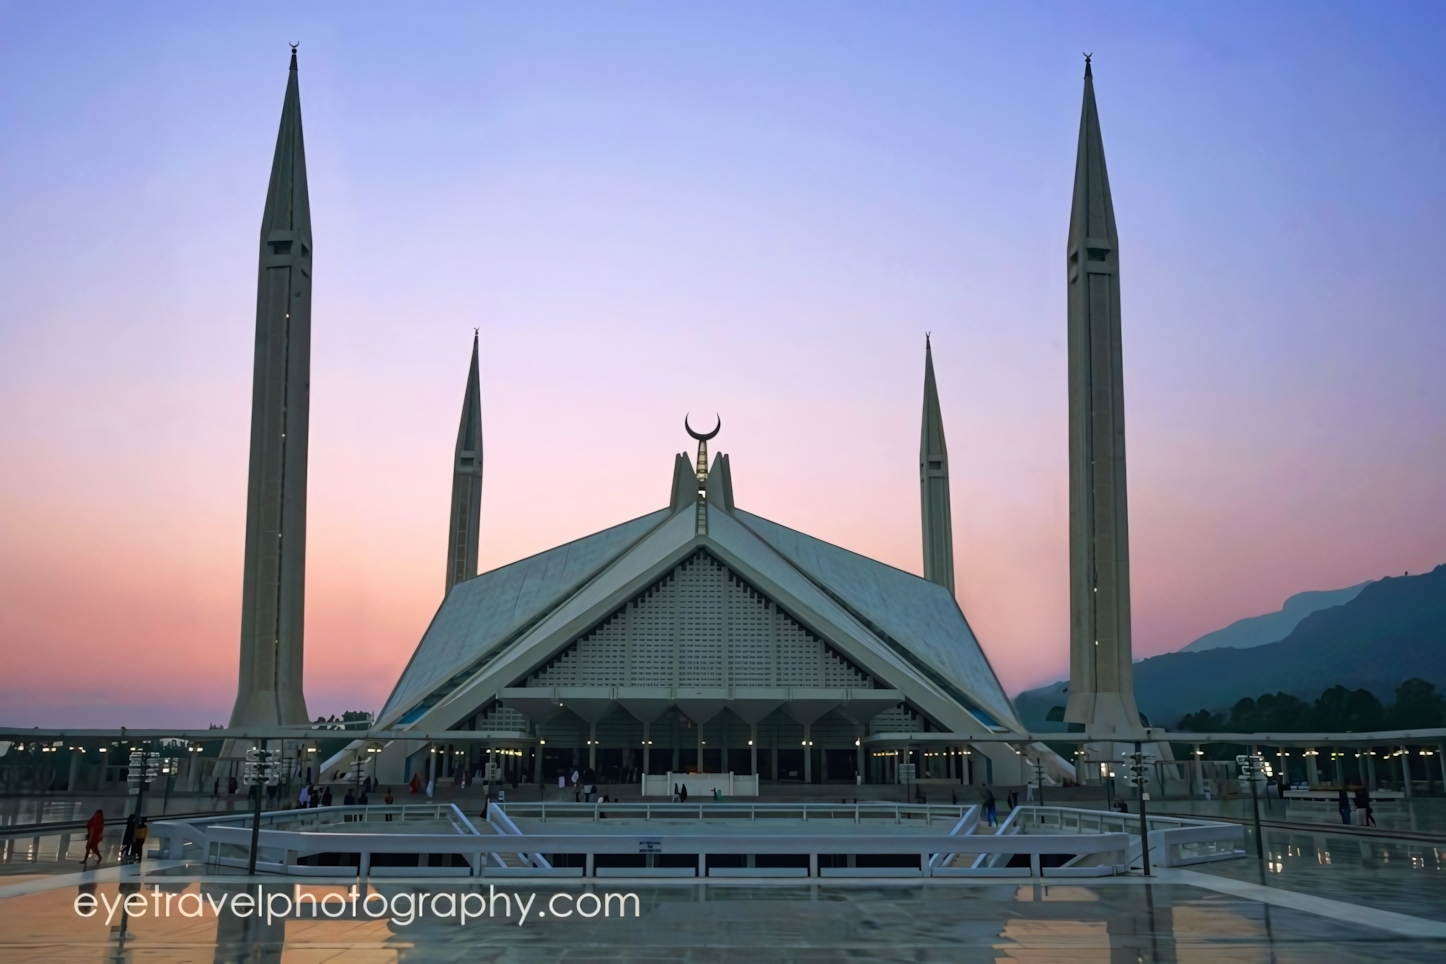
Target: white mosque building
x=699, y=638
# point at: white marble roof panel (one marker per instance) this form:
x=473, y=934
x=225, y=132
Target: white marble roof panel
x=920, y=615
x=484, y=611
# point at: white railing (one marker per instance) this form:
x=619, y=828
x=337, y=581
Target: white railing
x=708, y=810
x=1174, y=841
x=503, y=824
x=1112, y=847
x=966, y=825
x=1098, y=842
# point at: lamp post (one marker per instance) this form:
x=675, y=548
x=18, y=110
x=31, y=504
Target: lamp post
x=144, y=766
x=259, y=771
x=1038, y=765
x=1251, y=765
x=1138, y=766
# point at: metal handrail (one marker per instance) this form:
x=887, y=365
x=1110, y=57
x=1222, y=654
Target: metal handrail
x=295, y=842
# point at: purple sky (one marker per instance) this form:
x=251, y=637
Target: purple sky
x=754, y=209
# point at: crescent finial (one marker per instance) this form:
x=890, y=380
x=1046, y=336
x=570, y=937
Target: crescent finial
x=703, y=438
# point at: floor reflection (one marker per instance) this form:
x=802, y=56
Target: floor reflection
x=1116, y=922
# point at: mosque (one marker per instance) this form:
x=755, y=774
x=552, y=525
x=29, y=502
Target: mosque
x=699, y=638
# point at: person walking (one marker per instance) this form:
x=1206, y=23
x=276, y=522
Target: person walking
x=350, y=799
x=1363, y=804
x=676, y=797
x=388, y=800
x=94, y=834
x=1344, y=804
x=989, y=806
x=138, y=842
x=303, y=799
x=684, y=795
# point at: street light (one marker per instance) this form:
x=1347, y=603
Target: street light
x=1137, y=772
x=260, y=769
x=1251, y=766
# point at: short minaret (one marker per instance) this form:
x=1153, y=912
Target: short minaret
x=1102, y=690
x=463, y=534
x=274, y=580
x=934, y=484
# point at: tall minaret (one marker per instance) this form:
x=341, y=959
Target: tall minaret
x=1102, y=689
x=934, y=484
x=464, y=533
x=274, y=581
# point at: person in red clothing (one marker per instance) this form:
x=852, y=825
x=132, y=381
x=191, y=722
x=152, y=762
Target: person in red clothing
x=94, y=833
x=416, y=784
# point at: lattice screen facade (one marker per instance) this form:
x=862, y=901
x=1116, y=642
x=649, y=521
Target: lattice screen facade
x=700, y=625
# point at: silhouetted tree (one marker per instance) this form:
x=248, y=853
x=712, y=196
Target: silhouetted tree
x=1340, y=710
x=1417, y=706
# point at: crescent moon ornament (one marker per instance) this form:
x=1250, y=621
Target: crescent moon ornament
x=702, y=438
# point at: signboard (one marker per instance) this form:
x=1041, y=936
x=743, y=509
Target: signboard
x=650, y=846
x=906, y=772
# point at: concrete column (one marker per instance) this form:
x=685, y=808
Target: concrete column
x=647, y=739
x=808, y=753
x=1340, y=769
x=1371, y=771
x=1441, y=759
x=72, y=781
x=859, y=754
x=753, y=746
x=1312, y=775
x=592, y=746
x=1405, y=759
x=537, y=765
x=700, y=749
x=104, y=768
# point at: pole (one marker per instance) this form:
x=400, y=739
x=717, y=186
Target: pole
x=256, y=810
x=1144, y=826
x=1255, y=799
x=141, y=783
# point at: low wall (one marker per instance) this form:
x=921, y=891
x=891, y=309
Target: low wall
x=700, y=785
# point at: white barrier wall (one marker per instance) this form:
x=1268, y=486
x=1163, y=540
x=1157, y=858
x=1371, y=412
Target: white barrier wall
x=700, y=785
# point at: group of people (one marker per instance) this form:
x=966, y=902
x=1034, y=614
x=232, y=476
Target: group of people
x=1363, y=806
x=310, y=796
x=680, y=794
x=133, y=839
x=584, y=785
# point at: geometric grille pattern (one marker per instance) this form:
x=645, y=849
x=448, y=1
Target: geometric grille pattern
x=700, y=625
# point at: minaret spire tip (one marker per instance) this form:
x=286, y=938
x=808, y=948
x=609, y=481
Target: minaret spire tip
x=1089, y=74
x=293, y=55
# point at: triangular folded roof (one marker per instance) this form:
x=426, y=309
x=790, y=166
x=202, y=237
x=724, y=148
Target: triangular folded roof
x=494, y=630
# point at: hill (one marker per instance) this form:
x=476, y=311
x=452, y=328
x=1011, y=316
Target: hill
x=1393, y=629
x=1273, y=627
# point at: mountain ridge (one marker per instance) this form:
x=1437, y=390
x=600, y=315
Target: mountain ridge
x=1391, y=630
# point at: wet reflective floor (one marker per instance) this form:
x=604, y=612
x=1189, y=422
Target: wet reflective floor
x=178, y=918
x=1322, y=895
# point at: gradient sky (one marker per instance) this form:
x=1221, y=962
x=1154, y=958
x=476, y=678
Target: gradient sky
x=754, y=209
